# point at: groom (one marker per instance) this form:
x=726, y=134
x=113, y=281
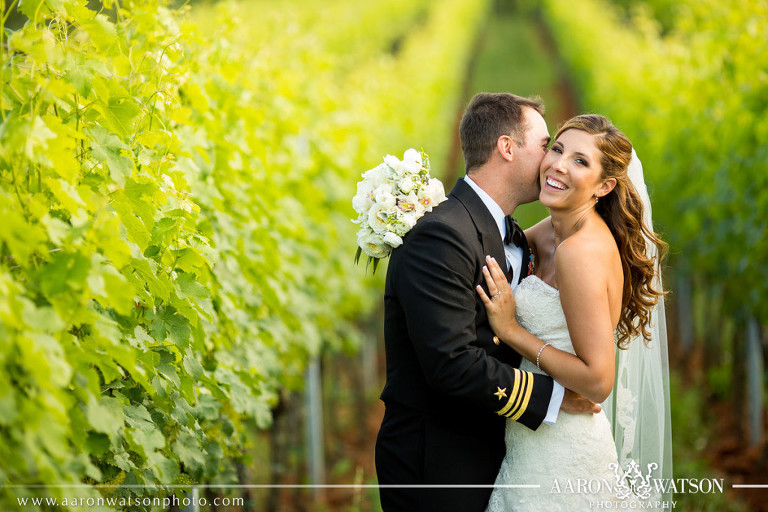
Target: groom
x=449, y=387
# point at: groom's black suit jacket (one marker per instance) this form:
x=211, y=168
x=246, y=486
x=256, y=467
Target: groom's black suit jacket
x=449, y=389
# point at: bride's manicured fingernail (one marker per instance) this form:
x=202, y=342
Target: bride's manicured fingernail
x=485, y=268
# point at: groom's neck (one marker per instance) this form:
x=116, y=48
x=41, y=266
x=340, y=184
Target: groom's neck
x=494, y=183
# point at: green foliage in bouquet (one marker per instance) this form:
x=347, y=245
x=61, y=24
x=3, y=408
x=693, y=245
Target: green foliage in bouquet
x=174, y=197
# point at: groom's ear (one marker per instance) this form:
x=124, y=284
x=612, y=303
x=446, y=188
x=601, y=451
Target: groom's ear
x=506, y=147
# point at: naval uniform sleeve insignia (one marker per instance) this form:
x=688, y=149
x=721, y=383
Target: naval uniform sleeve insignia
x=512, y=394
x=522, y=388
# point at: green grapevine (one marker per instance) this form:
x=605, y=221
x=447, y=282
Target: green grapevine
x=175, y=193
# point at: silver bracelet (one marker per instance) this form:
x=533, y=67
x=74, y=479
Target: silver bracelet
x=539, y=354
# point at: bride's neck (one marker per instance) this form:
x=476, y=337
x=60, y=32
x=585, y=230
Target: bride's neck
x=566, y=223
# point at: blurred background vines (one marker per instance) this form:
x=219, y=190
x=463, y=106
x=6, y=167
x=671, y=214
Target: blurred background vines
x=178, y=304
x=176, y=247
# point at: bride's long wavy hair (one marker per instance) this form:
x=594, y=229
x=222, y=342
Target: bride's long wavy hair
x=622, y=211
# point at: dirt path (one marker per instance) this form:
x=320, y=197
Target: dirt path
x=568, y=105
x=538, y=41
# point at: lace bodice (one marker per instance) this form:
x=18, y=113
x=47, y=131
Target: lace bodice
x=540, y=312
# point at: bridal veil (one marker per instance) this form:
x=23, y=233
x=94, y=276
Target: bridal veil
x=639, y=408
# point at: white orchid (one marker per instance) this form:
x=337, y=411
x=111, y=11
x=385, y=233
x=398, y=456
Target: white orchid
x=433, y=195
x=408, y=203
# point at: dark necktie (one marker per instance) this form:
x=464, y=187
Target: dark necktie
x=514, y=233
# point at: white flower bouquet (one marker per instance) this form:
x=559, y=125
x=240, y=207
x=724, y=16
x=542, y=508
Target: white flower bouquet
x=390, y=198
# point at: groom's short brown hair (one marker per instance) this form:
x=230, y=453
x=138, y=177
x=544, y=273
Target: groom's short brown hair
x=488, y=117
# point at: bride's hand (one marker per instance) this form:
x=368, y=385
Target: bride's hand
x=501, y=304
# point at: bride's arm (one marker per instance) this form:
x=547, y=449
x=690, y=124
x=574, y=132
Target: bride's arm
x=583, y=282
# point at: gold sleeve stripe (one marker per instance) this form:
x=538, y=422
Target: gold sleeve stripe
x=519, y=397
x=512, y=394
x=527, y=397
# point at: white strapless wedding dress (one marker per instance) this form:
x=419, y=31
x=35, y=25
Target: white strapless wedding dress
x=570, y=460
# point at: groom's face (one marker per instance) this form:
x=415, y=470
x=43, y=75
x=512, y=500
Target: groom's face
x=529, y=157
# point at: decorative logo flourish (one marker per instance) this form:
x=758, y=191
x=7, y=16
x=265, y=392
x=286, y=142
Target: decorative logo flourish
x=632, y=481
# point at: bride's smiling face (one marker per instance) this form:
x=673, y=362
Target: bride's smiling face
x=571, y=173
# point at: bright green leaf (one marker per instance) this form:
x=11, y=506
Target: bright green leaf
x=105, y=415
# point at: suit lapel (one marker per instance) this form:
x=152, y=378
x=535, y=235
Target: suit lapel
x=487, y=229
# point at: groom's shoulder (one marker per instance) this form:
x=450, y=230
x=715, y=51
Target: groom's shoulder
x=450, y=214
x=447, y=229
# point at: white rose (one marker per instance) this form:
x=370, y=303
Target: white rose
x=363, y=200
x=411, y=167
x=436, y=190
x=362, y=203
x=364, y=187
x=376, y=176
x=391, y=161
x=393, y=240
x=373, y=245
x=379, y=217
x=403, y=167
x=411, y=155
x=383, y=195
x=411, y=163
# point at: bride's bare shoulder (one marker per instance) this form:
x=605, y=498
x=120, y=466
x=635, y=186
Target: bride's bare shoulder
x=587, y=254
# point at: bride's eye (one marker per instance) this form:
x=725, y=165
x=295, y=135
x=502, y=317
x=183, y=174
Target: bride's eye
x=583, y=162
x=557, y=149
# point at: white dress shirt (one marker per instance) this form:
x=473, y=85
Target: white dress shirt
x=514, y=261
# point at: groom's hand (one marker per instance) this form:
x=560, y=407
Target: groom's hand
x=574, y=403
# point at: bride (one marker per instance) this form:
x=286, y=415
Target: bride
x=596, y=286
